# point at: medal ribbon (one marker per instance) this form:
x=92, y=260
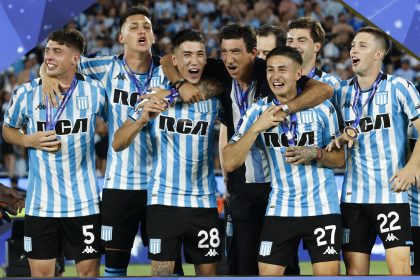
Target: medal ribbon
x=133, y=79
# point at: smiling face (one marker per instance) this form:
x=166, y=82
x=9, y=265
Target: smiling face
x=365, y=53
x=190, y=59
x=301, y=40
x=282, y=74
x=60, y=60
x=137, y=34
x=236, y=58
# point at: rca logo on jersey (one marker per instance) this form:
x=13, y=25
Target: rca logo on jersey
x=89, y=250
x=154, y=246
x=272, y=139
x=381, y=98
x=122, y=97
x=183, y=126
x=391, y=237
x=367, y=124
x=265, y=248
x=330, y=251
x=65, y=127
x=106, y=233
x=82, y=102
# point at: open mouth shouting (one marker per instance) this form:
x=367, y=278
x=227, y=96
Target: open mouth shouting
x=355, y=60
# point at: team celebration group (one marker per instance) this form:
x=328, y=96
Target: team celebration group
x=285, y=126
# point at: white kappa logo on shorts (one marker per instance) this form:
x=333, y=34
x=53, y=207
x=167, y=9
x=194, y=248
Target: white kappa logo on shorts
x=330, y=251
x=391, y=237
x=89, y=250
x=211, y=253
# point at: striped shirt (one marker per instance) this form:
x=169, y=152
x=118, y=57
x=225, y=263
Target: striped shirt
x=325, y=78
x=380, y=149
x=304, y=189
x=182, y=144
x=129, y=169
x=61, y=184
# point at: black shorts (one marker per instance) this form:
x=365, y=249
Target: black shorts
x=196, y=229
x=415, y=251
x=362, y=222
x=280, y=238
x=122, y=211
x=77, y=237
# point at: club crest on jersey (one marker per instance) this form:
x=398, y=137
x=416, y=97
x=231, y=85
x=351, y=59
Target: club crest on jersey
x=265, y=248
x=27, y=243
x=155, y=82
x=154, y=246
x=307, y=116
x=381, y=98
x=106, y=233
x=82, y=102
x=202, y=106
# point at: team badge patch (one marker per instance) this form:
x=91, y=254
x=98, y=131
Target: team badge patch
x=154, y=246
x=265, y=248
x=381, y=98
x=106, y=233
x=307, y=116
x=202, y=106
x=82, y=102
x=27, y=244
x=155, y=82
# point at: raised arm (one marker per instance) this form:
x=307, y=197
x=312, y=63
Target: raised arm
x=313, y=94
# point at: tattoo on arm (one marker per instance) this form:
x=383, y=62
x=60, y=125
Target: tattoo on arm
x=160, y=268
x=210, y=88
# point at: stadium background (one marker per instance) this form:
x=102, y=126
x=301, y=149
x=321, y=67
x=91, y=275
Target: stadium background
x=99, y=24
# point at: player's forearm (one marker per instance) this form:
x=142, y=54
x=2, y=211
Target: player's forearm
x=312, y=95
x=210, y=88
x=13, y=136
x=222, y=145
x=234, y=154
x=333, y=159
x=169, y=69
x=125, y=135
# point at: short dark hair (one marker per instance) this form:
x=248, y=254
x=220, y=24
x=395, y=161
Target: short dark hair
x=187, y=35
x=70, y=37
x=379, y=35
x=315, y=28
x=136, y=10
x=287, y=51
x=268, y=29
x=240, y=31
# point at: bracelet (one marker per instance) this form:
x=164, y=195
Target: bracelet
x=285, y=109
x=178, y=84
x=319, y=153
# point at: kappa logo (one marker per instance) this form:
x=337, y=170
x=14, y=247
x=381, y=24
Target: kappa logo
x=330, y=251
x=347, y=104
x=89, y=250
x=391, y=237
x=418, y=106
x=120, y=76
x=41, y=107
x=211, y=253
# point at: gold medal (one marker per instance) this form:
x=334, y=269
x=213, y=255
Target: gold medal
x=350, y=132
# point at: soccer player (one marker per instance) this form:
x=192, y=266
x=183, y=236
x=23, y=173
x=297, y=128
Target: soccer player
x=182, y=208
x=307, y=36
x=376, y=108
x=269, y=37
x=244, y=82
x=303, y=202
x=62, y=202
x=126, y=76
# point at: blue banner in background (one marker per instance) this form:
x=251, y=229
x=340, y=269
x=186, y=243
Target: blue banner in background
x=26, y=23
x=399, y=18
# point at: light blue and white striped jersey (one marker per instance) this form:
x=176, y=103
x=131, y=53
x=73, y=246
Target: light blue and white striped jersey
x=414, y=192
x=325, y=78
x=182, y=141
x=297, y=190
x=61, y=184
x=380, y=149
x=129, y=169
x=256, y=164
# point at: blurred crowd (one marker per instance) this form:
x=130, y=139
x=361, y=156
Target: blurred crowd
x=99, y=24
